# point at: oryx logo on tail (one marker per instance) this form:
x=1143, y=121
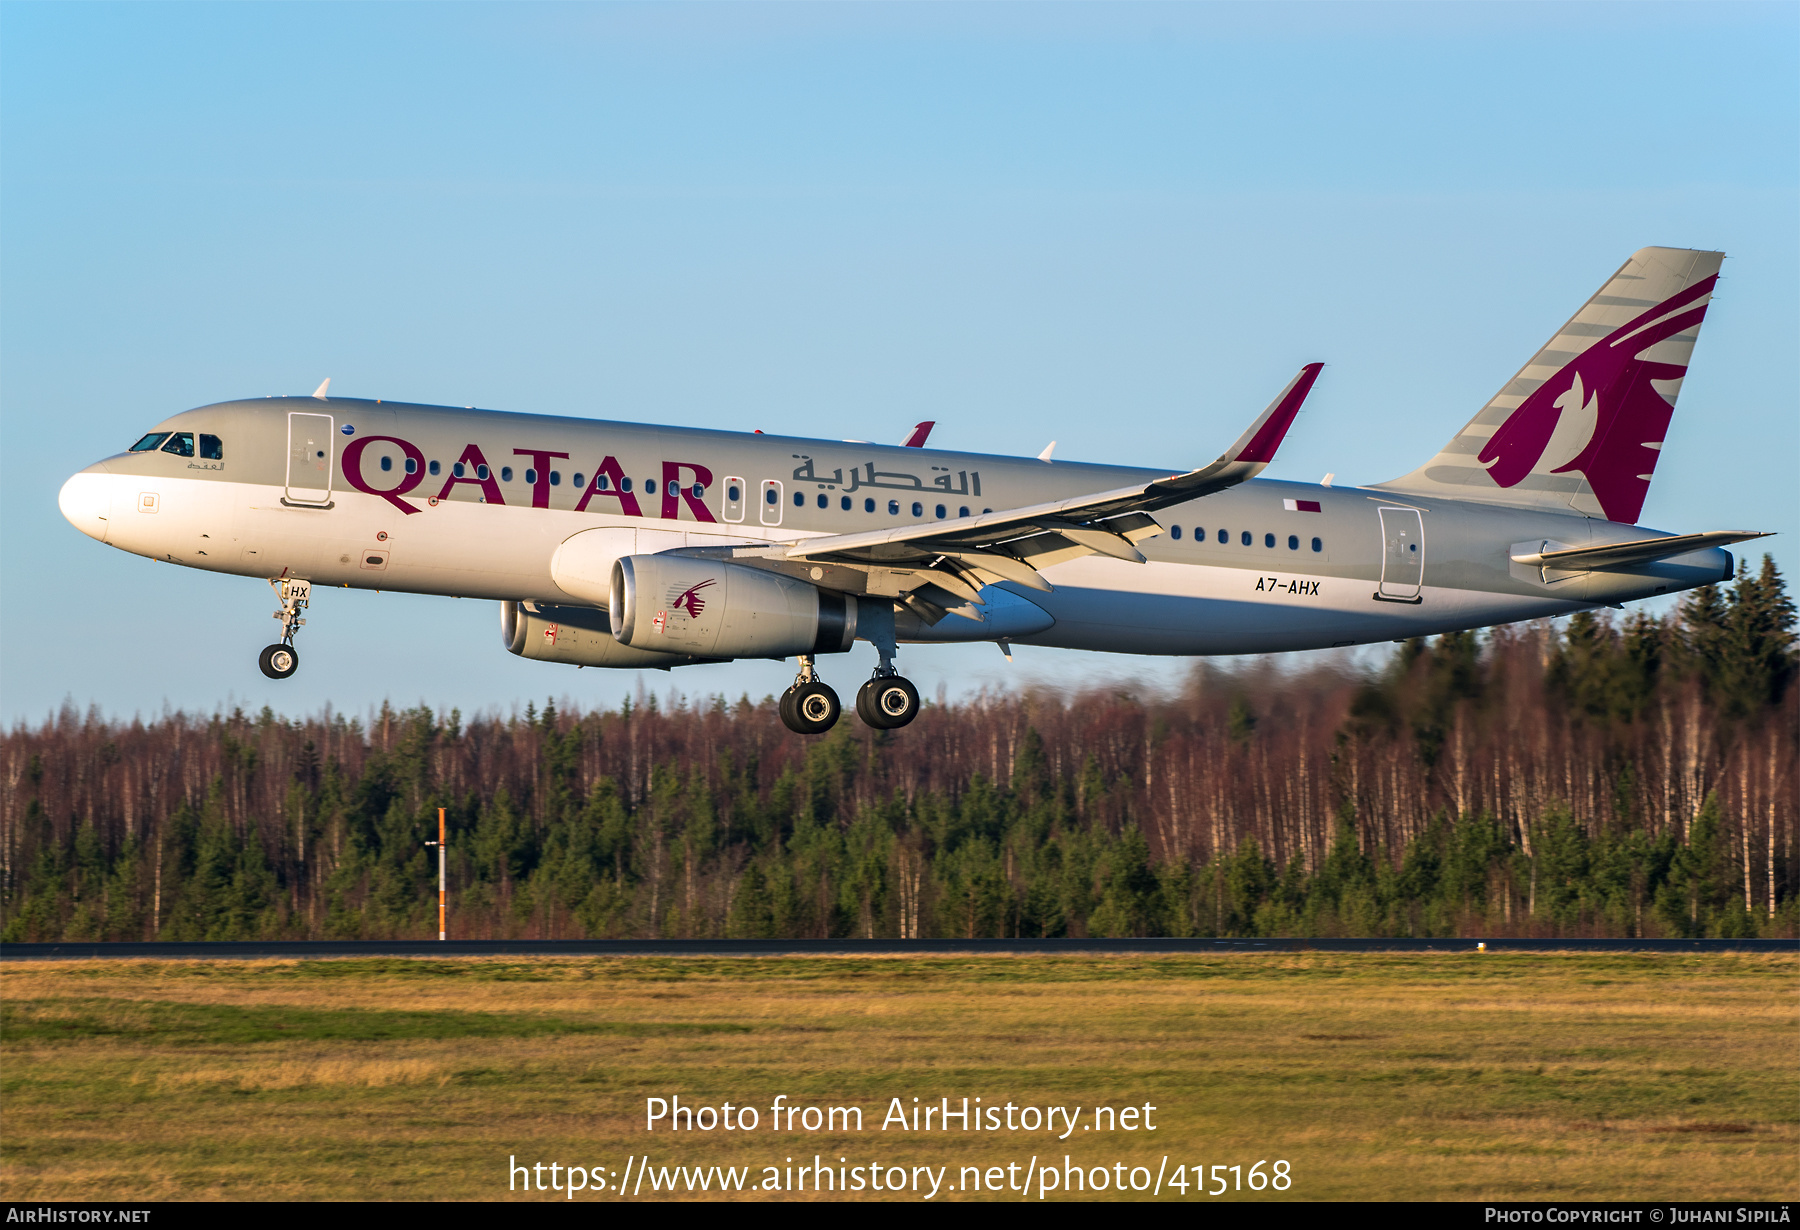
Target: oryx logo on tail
x=1602, y=414
x=1582, y=423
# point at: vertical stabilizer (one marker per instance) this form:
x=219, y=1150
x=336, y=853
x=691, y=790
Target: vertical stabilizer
x=1582, y=424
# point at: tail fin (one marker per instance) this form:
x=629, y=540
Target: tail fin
x=1582, y=423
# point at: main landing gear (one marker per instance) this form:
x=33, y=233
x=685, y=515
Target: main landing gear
x=810, y=707
x=281, y=660
x=886, y=702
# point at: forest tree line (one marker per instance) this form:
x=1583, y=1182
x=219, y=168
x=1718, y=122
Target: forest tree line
x=1600, y=776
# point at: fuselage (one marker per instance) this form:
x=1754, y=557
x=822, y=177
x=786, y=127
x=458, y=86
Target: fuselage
x=475, y=503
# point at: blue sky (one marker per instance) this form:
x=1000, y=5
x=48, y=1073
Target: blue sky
x=1119, y=226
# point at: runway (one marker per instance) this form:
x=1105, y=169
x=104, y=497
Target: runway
x=253, y=950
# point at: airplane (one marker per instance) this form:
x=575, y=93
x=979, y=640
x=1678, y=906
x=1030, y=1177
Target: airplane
x=631, y=545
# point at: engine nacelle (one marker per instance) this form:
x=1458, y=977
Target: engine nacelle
x=690, y=605
x=574, y=635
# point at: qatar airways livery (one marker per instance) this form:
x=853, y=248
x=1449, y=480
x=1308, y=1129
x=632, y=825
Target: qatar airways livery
x=631, y=545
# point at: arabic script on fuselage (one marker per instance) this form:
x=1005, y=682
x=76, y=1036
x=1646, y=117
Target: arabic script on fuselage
x=959, y=482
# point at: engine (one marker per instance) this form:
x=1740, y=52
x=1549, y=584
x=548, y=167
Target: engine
x=574, y=635
x=711, y=609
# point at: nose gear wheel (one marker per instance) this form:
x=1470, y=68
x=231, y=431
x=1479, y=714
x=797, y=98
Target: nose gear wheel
x=279, y=661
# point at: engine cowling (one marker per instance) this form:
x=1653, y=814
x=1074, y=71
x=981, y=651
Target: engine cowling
x=575, y=636
x=712, y=609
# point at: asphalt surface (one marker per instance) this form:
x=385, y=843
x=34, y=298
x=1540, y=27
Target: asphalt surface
x=250, y=950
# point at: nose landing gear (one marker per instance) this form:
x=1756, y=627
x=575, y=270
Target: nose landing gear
x=281, y=660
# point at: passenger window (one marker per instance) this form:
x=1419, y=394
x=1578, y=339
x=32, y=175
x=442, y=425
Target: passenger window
x=412, y=465
x=1268, y=540
x=799, y=499
x=1224, y=537
x=149, y=442
x=481, y=472
x=577, y=479
x=506, y=474
x=893, y=508
x=181, y=443
x=435, y=469
x=824, y=501
x=918, y=509
x=731, y=493
x=1293, y=542
x=1246, y=538
x=770, y=495
x=844, y=503
x=387, y=463
x=1318, y=544
x=649, y=486
x=940, y=512
x=962, y=512
x=868, y=505
x=211, y=449
x=1175, y=532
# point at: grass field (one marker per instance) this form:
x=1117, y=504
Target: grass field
x=1416, y=1076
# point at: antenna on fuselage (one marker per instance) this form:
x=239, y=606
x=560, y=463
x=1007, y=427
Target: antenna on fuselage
x=323, y=389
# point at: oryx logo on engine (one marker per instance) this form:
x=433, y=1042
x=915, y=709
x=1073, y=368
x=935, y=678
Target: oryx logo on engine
x=689, y=599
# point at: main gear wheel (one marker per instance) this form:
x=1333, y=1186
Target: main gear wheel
x=887, y=702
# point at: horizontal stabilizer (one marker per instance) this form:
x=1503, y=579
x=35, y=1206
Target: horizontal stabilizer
x=1625, y=554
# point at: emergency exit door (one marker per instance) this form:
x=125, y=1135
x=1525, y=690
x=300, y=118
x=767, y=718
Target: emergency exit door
x=309, y=459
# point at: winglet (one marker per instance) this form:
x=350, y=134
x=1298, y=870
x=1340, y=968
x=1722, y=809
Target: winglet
x=1048, y=449
x=919, y=435
x=323, y=389
x=1258, y=444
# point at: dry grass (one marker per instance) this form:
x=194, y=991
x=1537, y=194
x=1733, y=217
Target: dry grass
x=1416, y=1076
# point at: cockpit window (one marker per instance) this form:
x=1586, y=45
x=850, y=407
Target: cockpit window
x=211, y=449
x=181, y=443
x=149, y=442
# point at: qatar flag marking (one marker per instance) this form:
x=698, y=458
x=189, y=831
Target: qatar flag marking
x=1302, y=506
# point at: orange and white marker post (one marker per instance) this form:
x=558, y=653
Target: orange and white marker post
x=442, y=895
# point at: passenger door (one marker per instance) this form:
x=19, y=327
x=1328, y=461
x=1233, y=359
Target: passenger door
x=309, y=459
x=1402, y=555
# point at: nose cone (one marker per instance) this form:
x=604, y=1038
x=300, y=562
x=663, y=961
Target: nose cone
x=86, y=500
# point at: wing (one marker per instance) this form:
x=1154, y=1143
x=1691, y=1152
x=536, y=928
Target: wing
x=941, y=564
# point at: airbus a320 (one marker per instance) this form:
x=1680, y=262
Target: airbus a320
x=629, y=545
